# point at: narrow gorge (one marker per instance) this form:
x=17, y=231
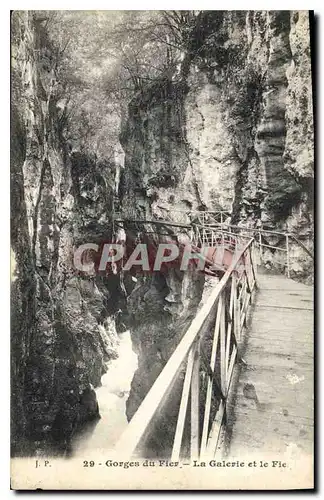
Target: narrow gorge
x=225, y=124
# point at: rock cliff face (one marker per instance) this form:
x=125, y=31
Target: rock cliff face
x=63, y=331
x=232, y=130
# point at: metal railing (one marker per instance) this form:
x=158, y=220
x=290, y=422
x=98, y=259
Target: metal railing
x=210, y=236
x=204, y=224
x=182, y=216
x=204, y=218
x=203, y=364
x=262, y=236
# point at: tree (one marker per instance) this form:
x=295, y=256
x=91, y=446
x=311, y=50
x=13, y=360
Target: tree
x=103, y=58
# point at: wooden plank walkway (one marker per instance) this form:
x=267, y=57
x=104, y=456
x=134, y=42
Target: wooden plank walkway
x=272, y=409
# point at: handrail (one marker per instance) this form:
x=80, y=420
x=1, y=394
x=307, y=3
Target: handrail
x=154, y=222
x=202, y=216
x=301, y=244
x=252, y=230
x=226, y=229
x=146, y=412
x=259, y=235
x=219, y=226
x=201, y=211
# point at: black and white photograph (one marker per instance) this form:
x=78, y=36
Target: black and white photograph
x=162, y=249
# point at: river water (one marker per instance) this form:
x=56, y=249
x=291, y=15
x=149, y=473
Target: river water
x=111, y=396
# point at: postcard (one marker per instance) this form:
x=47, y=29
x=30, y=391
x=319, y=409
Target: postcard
x=162, y=250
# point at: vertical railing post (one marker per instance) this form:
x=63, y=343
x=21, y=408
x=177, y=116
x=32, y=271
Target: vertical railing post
x=208, y=400
x=253, y=262
x=251, y=270
x=287, y=250
x=183, y=407
x=229, y=328
x=223, y=346
x=260, y=246
x=236, y=309
x=194, y=418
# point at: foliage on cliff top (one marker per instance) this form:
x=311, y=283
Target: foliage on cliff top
x=103, y=59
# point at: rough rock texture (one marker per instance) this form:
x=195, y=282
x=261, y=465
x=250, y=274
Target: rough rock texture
x=232, y=130
x=63, y=331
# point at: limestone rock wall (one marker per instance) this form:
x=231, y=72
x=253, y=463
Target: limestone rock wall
x=63, y=332
x=231, y=130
